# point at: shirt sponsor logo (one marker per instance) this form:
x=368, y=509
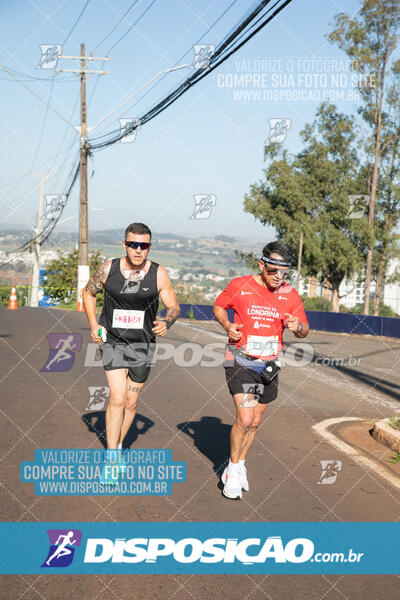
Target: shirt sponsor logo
x=242, y=293
x=263, y=311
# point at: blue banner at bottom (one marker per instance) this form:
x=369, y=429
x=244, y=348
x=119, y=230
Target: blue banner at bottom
x=199, y=548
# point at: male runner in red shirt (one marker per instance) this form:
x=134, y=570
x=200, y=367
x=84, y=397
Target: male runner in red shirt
x=263, y=305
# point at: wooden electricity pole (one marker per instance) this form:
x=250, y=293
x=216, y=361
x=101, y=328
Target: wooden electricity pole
x=83, y=260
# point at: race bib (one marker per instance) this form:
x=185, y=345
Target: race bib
x=128, y=319
x=262, y=346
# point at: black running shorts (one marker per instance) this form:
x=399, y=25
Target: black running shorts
x=135, y=357
x=243, y=380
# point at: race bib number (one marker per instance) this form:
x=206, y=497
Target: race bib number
x=262, y=346
x=128, y=319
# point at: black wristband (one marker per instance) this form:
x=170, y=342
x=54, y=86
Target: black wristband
x=167, y=322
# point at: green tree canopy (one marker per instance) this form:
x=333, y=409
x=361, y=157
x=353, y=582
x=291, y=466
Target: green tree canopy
x=61, y=275
x=309, y=193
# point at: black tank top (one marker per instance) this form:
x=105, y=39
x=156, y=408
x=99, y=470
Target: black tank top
x=130, y=307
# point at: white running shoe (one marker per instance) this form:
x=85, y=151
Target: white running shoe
x=232, y=487
x=242, y=478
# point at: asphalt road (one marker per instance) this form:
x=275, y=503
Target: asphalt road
x=188, y=410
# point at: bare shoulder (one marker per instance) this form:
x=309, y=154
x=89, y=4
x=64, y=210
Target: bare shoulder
x=163, y=280
x=104, y=270
x=97, y=281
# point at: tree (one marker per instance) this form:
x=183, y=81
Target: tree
x=370, y=42
x=309, y=193
x=388, y=206
x=61, y=275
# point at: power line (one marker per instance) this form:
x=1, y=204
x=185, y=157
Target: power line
x=76, y=22
x=115, y=26
x=52, y=87
x=48, y=229
x=133, y=24
x=184, y=55
x=223, y=51
x=35, y=94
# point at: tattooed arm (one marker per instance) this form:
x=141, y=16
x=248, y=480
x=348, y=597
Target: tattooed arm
x=168, y=296
x=93, y=287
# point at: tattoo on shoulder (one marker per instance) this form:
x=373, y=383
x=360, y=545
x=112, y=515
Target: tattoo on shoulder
x=96, y=283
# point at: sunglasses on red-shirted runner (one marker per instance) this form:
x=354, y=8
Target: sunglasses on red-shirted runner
x=136, y=245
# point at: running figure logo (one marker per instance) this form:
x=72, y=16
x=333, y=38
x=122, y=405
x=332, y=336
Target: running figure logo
x=62, y=351
x=62, y=547
x=202, y=55
x=50, y=54
x=129, y=129
x=251, y=394
x=358, y=206
x=98, y=396
x=330, y=471
x=203, y=205
x=278, y=130
x=54, y=205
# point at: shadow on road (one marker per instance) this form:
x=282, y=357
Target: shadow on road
x=211, y=438
x=380, y=384
x=96, y=423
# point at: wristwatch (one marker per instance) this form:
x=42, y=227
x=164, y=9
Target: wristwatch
x=300, y=328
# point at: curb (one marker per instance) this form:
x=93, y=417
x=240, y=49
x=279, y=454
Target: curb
x=386, y=434
x=323, y=428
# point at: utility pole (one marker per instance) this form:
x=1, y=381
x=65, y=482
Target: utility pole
x=83, y=260
x=34, y=295
x=299, y=259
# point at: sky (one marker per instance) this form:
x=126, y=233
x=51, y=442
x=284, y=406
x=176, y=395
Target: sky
x=209, y=143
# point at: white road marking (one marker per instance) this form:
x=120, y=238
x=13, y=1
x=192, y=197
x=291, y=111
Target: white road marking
x=363, y=461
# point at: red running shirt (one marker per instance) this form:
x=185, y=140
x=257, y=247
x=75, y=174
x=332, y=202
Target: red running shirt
x=261, y=312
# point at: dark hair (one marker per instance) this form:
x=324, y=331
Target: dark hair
x=139, y=228
x=278, y=248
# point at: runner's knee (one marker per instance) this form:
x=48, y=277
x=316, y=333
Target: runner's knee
x=244, y=422
x=253, y=428
x=117, y=399
x=131, y=402
x=256, y=422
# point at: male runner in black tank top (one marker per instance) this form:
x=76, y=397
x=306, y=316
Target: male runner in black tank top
x=132, y=287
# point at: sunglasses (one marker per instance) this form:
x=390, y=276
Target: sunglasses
x=136, y=245
x=279, y=272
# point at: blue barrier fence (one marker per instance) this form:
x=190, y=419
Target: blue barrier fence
x=320, y=321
